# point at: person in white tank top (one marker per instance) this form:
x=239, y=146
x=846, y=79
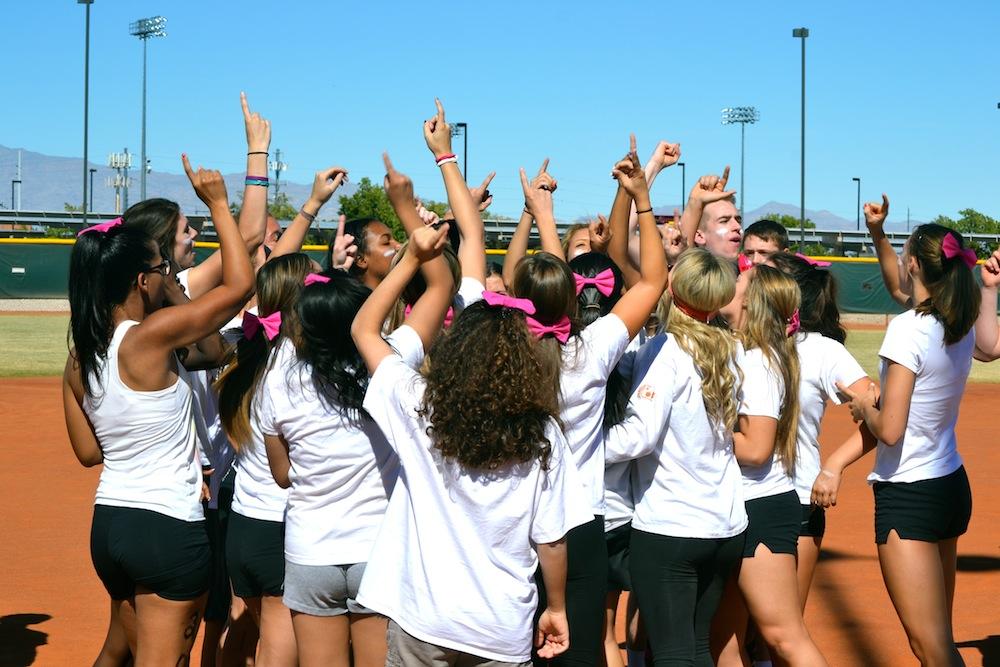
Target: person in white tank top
x=128, y=406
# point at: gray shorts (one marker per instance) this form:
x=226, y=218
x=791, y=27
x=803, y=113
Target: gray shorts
x=324, y=590
x=406, y=650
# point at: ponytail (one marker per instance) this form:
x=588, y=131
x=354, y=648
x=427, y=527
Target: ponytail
x=102, y=271
x=819, y=312
x=279, y=283
x=954, y=297
x=772, y=303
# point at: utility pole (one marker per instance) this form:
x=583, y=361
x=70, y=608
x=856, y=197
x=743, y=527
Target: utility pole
x=278, y=166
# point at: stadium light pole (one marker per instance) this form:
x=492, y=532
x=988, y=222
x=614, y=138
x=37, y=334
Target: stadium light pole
x=144, y=29
x=741, y=115
x=86, y=103
x=683, y=189
x=858, y=180
x=802, y=33
x=92, y=172
x=463, y=129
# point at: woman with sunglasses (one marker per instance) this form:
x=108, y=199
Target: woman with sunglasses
x=128, y=404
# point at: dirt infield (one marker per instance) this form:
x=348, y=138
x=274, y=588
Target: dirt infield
x=53, y=610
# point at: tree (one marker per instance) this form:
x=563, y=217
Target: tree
x=72, y=209
x=787, y=221
x=281, y=208
x=370, y=201
x=972, y=222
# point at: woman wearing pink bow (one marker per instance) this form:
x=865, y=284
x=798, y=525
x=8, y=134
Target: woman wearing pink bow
x=923, y=501
x=129, y=406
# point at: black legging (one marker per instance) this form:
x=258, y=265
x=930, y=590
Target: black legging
x=677, y=582
x=586, y=588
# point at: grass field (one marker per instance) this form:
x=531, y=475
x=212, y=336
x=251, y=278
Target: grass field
x=35, y=345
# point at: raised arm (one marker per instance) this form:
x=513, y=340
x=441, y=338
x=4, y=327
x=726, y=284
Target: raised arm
x=888, y=261
x=427, y=314
x=253, y=214
x=472, y=250
x=538, y=202
x=618, y=248
x=325, y=183
x=639, y=301
x=518, y=246
x=708, y=189
x=664, y=155
x=987, y=331
x=178, y=326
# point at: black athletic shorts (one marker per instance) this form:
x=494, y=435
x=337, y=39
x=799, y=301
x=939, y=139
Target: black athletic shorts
x=618, y=539
x=774, y=522
x=930, y=510
x=813, y=522
x=216, y=524
x=135, y=547
x=255, y=556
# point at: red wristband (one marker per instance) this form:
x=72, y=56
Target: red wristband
x=443, y=157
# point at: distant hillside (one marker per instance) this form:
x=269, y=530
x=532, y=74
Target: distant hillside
x=48, y=182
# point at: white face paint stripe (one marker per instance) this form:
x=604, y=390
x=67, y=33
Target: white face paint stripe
x=722, y=232
x=389, y=253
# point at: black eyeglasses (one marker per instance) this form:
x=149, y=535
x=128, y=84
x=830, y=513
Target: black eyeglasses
x=163, y=268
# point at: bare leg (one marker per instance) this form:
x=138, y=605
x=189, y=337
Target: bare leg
x=809, y=548
x=769, y=585
x=368, y=639
x=277, y=637
x=116, y=651
x=917, y=581
x=165, y=629
x=323, y=641
x=211, y=641
x=729, y=626
x=239, y=645
x=612, y=654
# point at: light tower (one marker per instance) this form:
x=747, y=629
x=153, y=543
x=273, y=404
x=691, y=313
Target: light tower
x=741, y=115
x=144, y=29
x=277, y=166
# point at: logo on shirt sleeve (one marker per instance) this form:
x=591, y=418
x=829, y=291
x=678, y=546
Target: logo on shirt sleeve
x=646, y=392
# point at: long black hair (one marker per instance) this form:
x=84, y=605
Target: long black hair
x=103, y=268
x=158, y=218
x=324, y=342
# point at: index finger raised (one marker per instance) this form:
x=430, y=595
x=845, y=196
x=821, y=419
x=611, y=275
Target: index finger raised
x=544, y=167
x=440, y=109
x=388, y=163
x=488, y=180
x=723, y=179
x=885, y=203
x=631, y=143
x=187, y=165
x=246, y=107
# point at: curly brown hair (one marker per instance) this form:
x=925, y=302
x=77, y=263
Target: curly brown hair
x=489, y=396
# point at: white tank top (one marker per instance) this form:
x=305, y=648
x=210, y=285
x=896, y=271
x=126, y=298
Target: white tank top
x=149, y=441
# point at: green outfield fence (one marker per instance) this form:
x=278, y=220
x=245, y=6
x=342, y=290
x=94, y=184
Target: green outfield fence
x=39, y=269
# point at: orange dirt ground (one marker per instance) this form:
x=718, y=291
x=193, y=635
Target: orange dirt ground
x=54, y=611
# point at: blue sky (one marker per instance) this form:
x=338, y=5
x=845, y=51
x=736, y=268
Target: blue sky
x=902, y=94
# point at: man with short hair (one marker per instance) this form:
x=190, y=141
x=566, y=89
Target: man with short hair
x=762, y=239
x=711, y=219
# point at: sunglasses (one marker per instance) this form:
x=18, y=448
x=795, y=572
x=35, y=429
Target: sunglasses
x=163, y=268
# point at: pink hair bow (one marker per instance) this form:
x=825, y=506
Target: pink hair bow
x=449, y=317
x=314, y=278
x=252, y=324
x=603, y=281
x=101, y=227
x=744, y=263
x=560, y=330
x=794, y=324
x=505, y=301
x=813, y=262
x=950, y=248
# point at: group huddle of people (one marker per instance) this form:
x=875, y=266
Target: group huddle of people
x=411, y=456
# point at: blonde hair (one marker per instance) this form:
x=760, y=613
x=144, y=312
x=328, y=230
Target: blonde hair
x=772, y=298
x=568, y=236
x=707, y=283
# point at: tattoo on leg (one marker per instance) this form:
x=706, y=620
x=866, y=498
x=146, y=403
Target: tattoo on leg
x=192, y=628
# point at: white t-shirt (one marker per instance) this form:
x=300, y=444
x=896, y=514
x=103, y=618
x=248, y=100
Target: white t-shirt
x=149, y=441
x=761, y=395
x=342, y=471
x=256, y=494
x=619, y=505
x=823, y=362
x=588, y=360
x=687, y=479
x=928, y=449
x=454, y=563
x=470, y=291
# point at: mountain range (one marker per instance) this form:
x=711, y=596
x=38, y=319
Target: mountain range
x=50, y=182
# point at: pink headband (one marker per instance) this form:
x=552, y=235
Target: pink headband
x=101, y=227
x=813, y=262
x=314, y=278
x=603, y=281
x=951, y=248
x=252, y=324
